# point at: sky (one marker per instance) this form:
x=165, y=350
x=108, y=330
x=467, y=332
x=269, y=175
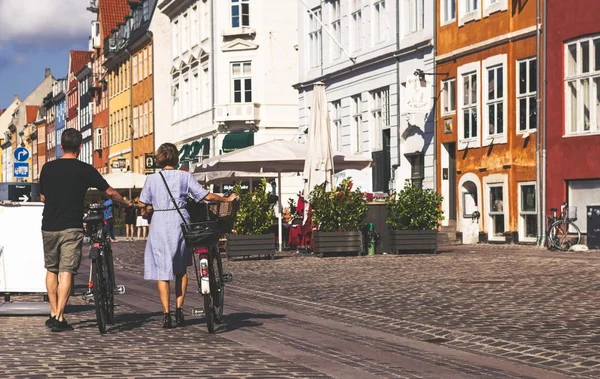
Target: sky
x=35, y=34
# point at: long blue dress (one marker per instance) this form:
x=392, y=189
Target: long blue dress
x=166, y=254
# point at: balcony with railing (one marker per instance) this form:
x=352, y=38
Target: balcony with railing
x=248, y=113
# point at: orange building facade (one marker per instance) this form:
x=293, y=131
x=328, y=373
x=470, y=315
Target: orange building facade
x=487, y=119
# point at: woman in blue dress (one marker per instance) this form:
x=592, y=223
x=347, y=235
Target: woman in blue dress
x=166, y=256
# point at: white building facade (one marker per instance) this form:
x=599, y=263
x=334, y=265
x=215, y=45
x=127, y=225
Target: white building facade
x=366, y=52
x=232, y=67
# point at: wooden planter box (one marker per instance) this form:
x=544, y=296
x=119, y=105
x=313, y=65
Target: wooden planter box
x=337, y=242
x=245, y=246
x=413, y=241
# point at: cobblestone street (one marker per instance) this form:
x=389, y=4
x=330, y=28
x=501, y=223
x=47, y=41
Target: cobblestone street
x=470, y=312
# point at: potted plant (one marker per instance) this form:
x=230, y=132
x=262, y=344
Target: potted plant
x=339, y=217
x=414, y=216
x=252, y=229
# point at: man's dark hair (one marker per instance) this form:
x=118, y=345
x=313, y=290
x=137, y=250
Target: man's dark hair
x=71, y=140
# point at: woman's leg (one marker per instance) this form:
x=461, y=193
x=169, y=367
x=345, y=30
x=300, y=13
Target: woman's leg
x=139, y=232
x=181, y=282
x=145, y=228
x=163, y=292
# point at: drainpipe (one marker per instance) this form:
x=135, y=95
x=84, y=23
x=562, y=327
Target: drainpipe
x=537, y=135
x=130, y=105
x=398, y=102
x=434, y=89
x=151, y=35
x=544, y=109
x=212, y=74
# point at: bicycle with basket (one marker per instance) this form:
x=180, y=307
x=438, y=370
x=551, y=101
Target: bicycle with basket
x=209, y=221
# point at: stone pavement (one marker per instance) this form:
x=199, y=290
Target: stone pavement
x=470, y=312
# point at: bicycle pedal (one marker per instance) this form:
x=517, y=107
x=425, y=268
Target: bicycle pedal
x=119, y=289
x=88, y=296
x=227, y=278
x=197, y=311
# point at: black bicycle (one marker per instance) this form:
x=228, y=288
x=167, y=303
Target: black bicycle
x=209, y=223
x=101, y=284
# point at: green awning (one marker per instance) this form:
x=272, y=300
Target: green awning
x=184, y=152
x=234, y=141
x=196, y=148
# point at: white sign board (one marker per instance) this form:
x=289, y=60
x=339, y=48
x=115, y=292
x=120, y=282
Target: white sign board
x=21, y=249
x=417, y=97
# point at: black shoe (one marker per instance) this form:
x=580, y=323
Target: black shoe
x=61, y=326
x=50, y=321
x=179, y=319
x=167, y=324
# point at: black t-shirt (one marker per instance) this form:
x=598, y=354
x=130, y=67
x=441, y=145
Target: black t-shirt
x=63, y=183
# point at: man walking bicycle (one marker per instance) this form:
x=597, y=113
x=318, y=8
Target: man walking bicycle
x=63, y=184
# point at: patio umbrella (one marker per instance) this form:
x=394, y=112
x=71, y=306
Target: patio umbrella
x=125, y=181
x=278, y=157
x=318, y=166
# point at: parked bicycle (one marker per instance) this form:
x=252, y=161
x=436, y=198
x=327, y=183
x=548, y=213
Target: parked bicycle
x=101, y=284
x=561, y=232
x=209, y=222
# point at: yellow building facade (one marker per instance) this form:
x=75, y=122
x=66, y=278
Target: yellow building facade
x=119, y=114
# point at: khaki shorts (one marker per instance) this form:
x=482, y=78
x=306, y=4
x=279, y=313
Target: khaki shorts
x=62, y=250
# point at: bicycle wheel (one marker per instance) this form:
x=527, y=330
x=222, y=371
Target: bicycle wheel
x=110, y=285
x=99, y=295
x=561, y=238
x=218, y=288
x=209, y=313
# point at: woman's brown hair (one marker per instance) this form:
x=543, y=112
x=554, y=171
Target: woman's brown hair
x=167, y=155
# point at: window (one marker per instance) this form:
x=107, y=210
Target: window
x=150, y=116
x=146, y=10
x=380, y=116
x=136, y=125
x=150, y=62
x=135, y=69
x=185, y=34
x=357, y=123
x=471, y=5
x=195, y=28
x=356, y=25
x=492, y=6
x=448, y=97
x=336, y=28
x=145, y=66
x=240, y=13
x=494, y=89
x=175, y=39
x=528, y=212
x=416, y=15
x=195, y=95
x=175, y=101
x=470, y=100
x=496, y=193
x=314, y=36
x=241, y=74
x=469, y=10
x=448, y=11
x=526, y=95
x=582, y=84
x=146, y=124
x=337, y=124
x=380, y=26
x=185, y=98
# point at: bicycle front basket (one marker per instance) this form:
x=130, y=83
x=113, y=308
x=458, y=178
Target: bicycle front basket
x=201, y=233
x=572, y=213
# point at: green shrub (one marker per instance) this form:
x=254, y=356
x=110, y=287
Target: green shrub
x=255, y=215
x=414, y=208
x=341, y=210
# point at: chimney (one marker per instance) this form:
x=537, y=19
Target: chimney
x=16, y=98
x=48, y=73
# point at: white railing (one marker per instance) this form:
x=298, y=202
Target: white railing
x=237, y=112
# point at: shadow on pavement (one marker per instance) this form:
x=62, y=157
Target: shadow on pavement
x=79, y=308
x=131, y=321
x=243, y=320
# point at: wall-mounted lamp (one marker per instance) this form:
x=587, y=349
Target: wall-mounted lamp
x=421, y=74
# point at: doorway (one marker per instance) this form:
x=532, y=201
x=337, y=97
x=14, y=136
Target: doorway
x=449, y=180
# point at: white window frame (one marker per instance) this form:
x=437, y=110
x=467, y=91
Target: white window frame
x=335, y=12
x=337, y=123
x=496, y=180
x=357, y=114
x=579, y=78
x=493, y=6
x=195, y=92
x=446, y=6
x=492, y=63
x=523, y=214
x=471, y=142
x=356, y=27
x=380, y=116
x=238, y=4
x=175, y=100
x=242, y=78
x=175, y=38
x=185, y=34
x=315, y=37
x=185, y=97
x=527, y=96
x=195, y=26
x=380, y=29
x=465, y=16
x=136, y=131
x=445, y=99
x=415, y=9
x=98, y=139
